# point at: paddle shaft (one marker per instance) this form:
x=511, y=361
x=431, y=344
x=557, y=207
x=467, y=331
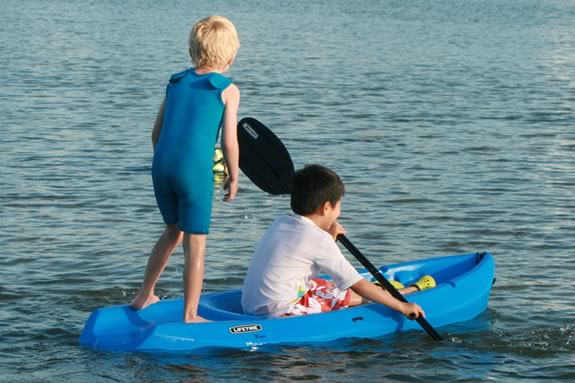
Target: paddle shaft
x=385, y=283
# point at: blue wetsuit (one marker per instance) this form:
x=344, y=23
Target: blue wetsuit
x=183, y=158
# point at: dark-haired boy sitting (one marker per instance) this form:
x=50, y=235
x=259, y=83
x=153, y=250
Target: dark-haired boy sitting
x=280, y=279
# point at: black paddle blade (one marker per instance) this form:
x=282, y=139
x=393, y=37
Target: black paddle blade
x=263, y=157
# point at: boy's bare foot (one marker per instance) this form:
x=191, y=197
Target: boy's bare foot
x=141, y=302
x=195, y=320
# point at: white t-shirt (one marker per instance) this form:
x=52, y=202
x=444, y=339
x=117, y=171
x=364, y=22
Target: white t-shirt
x=292, y=251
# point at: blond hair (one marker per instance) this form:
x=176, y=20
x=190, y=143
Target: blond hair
x=213, y=42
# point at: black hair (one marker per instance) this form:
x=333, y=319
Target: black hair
x=313, y=186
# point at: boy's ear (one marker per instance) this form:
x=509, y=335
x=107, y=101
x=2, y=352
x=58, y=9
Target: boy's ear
x=322, y=209
x=231, y=61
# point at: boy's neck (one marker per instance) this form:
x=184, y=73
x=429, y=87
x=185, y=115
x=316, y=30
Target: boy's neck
x=318, y=220
x=207, y=69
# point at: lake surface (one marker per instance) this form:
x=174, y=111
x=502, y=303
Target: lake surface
x=451, y=122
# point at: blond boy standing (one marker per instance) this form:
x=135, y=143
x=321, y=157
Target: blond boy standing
x=199, y=102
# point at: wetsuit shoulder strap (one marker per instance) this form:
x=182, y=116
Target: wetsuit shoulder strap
x=178, y=76
x=219, y=81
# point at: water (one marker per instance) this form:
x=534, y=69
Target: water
x=450, y=121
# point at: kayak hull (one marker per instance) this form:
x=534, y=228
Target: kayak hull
x=463, y=288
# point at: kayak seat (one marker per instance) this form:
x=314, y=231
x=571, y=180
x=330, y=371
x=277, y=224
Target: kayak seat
x=223, y=306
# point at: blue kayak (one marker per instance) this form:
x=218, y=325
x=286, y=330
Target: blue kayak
x=462, y=292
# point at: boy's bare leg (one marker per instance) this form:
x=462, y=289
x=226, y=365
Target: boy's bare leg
x=357, y=299
x=408, y=290
x=157, y=261
x=194, y=253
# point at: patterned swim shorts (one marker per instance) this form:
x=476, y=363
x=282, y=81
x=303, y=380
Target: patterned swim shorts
x=323, y=296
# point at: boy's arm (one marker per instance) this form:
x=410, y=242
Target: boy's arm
x=158, y=124
x=230, y=147
x=374, y=293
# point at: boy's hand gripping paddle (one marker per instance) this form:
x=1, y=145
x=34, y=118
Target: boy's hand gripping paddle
x=267, y=163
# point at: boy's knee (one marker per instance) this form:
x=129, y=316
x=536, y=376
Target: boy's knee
x=172, y=232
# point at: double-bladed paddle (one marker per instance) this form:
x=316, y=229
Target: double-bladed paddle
x=267, y=163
